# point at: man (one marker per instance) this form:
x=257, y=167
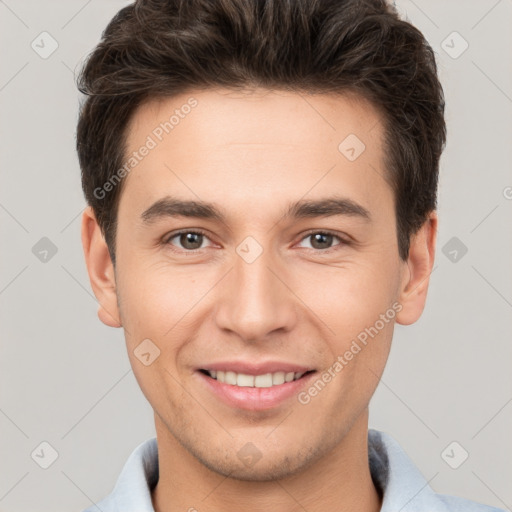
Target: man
x=261, y=179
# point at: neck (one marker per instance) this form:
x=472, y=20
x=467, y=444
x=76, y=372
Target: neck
x=339, y=481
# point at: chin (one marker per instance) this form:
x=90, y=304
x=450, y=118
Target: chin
x=268, y=468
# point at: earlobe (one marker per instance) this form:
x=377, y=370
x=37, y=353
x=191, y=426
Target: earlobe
x=414, y=286
x=100, y=269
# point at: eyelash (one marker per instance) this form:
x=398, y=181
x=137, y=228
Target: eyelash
x=343, y=241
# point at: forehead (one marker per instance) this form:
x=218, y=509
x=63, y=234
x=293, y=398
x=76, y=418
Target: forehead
x=221, y=144
x=255, y=116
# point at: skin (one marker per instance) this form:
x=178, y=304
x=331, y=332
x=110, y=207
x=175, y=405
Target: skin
x=251, y=154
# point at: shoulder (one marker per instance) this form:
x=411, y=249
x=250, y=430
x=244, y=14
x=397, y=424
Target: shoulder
x=132, y=491
x=456, y=504
x=402, y=485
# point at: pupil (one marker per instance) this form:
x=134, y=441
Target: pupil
x=321, y=238
x=191, y=238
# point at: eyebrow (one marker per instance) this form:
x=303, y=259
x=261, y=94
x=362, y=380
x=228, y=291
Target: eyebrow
x=331, y=206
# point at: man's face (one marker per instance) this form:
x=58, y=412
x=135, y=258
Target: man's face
x=258, y=286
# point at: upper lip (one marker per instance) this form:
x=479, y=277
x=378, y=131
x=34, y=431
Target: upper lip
x=251, y=368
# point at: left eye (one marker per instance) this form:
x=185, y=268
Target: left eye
x=321, y=239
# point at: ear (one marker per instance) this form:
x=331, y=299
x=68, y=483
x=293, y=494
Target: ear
x=414, y=287
x=100, y=269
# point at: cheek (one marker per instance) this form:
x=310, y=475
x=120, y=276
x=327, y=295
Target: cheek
x=155, y=298
x=357, y=303
x=351, y=297
x=165, y=306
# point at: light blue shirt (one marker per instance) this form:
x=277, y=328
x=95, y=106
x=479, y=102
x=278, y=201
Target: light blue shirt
x=403, y=487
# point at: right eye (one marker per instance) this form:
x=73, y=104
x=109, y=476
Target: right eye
x=189, y=240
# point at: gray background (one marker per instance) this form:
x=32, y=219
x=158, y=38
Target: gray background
x=65, y=377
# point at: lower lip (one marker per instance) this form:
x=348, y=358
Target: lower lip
x=255, y=399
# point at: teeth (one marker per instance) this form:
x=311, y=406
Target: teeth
x=277, y=378
x=230, y=378
x=245, y=380
x=263, y=381
x=266, y=380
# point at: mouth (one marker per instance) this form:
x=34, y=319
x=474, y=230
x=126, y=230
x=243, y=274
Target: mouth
x=254, y=391
x=265, y=380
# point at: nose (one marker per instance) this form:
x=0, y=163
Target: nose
x=256, y=301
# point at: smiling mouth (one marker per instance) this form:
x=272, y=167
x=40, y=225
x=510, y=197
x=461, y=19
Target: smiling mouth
x=266, y=380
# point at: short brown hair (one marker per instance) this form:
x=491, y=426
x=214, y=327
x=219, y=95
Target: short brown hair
x=161, y=48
